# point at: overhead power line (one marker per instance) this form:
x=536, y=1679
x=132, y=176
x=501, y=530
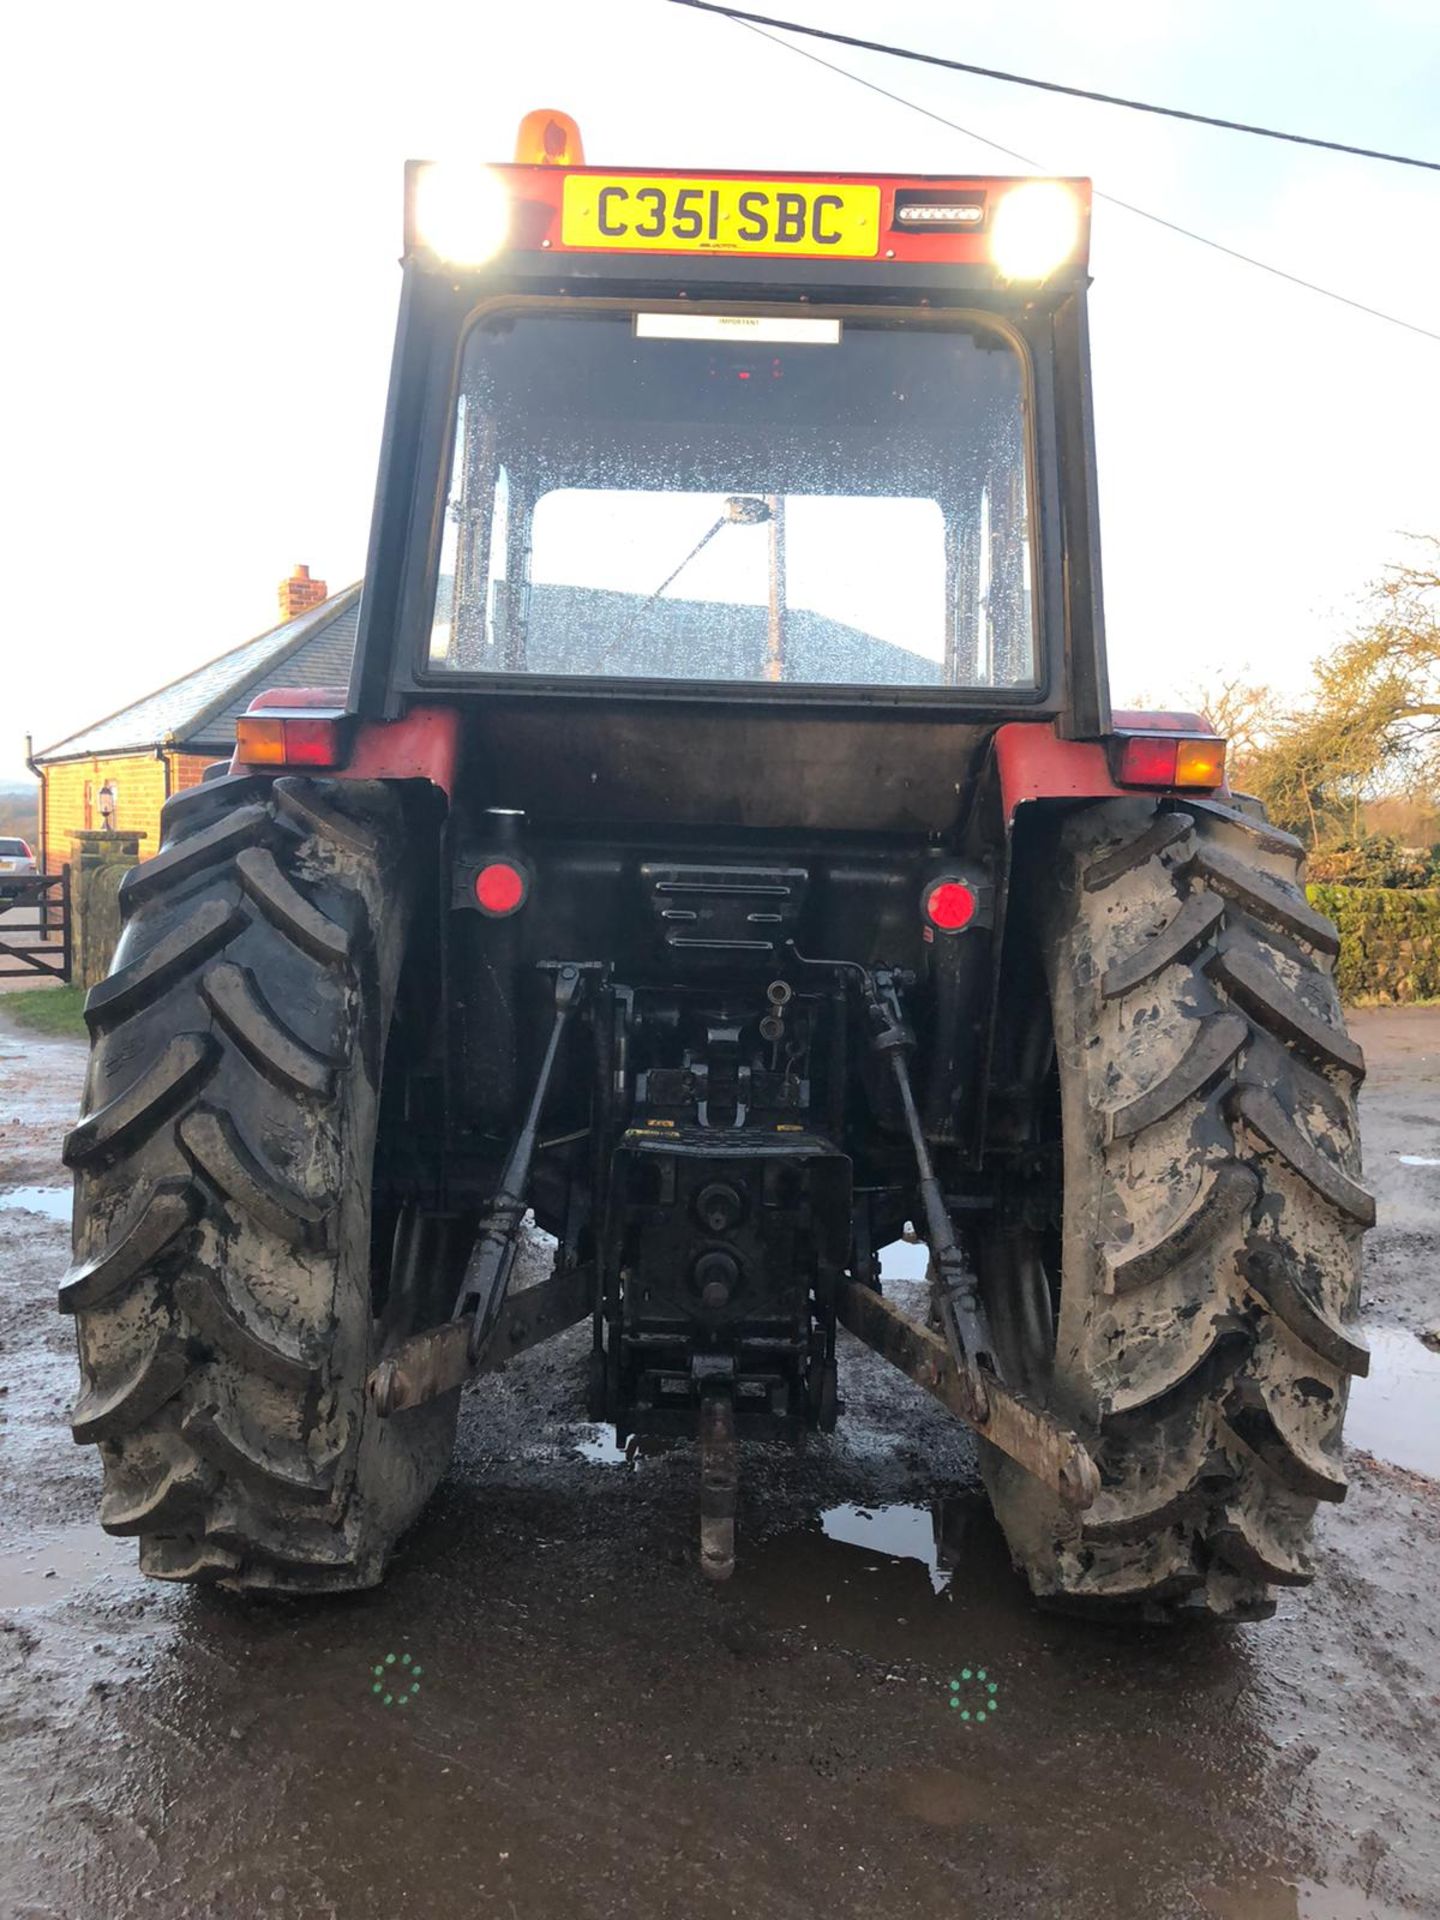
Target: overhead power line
x=1126, y=206
x=1055, y=86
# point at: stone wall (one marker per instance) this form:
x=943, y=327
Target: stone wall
x=98, y=863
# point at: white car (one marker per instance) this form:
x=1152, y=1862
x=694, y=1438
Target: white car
x=17, y=864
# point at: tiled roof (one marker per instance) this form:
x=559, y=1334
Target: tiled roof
x=321, y=660
x=199, y=711
x=588, y=630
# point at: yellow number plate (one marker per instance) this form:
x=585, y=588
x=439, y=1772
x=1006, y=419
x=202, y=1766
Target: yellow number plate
x=721, y=216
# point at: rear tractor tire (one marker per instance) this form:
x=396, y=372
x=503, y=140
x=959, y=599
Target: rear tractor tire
x=222, y=1277
x=1212, y=1215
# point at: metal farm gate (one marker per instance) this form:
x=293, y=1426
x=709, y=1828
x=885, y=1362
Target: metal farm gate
x=35, y=927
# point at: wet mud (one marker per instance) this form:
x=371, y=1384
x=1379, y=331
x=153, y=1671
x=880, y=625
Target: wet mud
x=578, y=1725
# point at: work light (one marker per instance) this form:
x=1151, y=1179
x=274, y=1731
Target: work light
x=461, y=213
x=1036, y=229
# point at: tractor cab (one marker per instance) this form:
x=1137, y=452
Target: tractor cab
x=808, y=439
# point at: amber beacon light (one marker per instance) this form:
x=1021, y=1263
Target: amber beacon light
x=548, y=139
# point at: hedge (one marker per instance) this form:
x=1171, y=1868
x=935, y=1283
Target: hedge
x=1389, y=940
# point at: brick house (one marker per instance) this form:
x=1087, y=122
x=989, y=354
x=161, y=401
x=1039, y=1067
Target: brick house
x=121, y=770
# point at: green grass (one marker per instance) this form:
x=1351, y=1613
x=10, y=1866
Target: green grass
x=47, y=1010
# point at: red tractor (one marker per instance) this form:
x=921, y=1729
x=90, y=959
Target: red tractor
x=725, y=854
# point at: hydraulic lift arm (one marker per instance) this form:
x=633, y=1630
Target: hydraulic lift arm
x=962, y=1370
x=473, y=1341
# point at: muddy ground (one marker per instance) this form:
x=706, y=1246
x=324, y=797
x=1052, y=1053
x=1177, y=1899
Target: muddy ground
x=594, y=1732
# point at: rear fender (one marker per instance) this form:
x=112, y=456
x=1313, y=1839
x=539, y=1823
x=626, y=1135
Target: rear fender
x=1035, y=764
x=424, y=744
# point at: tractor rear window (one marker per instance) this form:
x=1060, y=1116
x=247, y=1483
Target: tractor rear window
x=840, y=511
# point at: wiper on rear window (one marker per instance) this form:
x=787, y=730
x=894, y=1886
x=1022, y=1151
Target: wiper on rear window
x=741, y=510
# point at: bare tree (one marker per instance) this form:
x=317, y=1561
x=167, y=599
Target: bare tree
x=1243, y=713
x=1372, y=724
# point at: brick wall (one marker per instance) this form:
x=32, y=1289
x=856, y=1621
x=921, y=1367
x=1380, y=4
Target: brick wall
x=186, y=769
x=72, y=797
x=72, y=801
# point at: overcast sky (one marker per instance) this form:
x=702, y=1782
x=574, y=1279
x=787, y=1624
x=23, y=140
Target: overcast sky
x=202, y=213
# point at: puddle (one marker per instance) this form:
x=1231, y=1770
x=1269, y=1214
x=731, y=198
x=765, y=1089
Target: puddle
x=904, y=1260
x=57, y=1565
x=900, y=1533
x=1395, y=1412
x=927, y=1583
x=54, y=1202
x=1416, y=1160
x=597, y=1445
x=1268, y=1898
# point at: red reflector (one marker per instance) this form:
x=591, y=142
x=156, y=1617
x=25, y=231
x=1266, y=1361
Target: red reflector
x=950, y=905
x=1147, y=762
x=499, y=887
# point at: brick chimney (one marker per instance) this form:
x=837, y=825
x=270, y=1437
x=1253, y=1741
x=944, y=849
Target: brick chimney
x=299, y=593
